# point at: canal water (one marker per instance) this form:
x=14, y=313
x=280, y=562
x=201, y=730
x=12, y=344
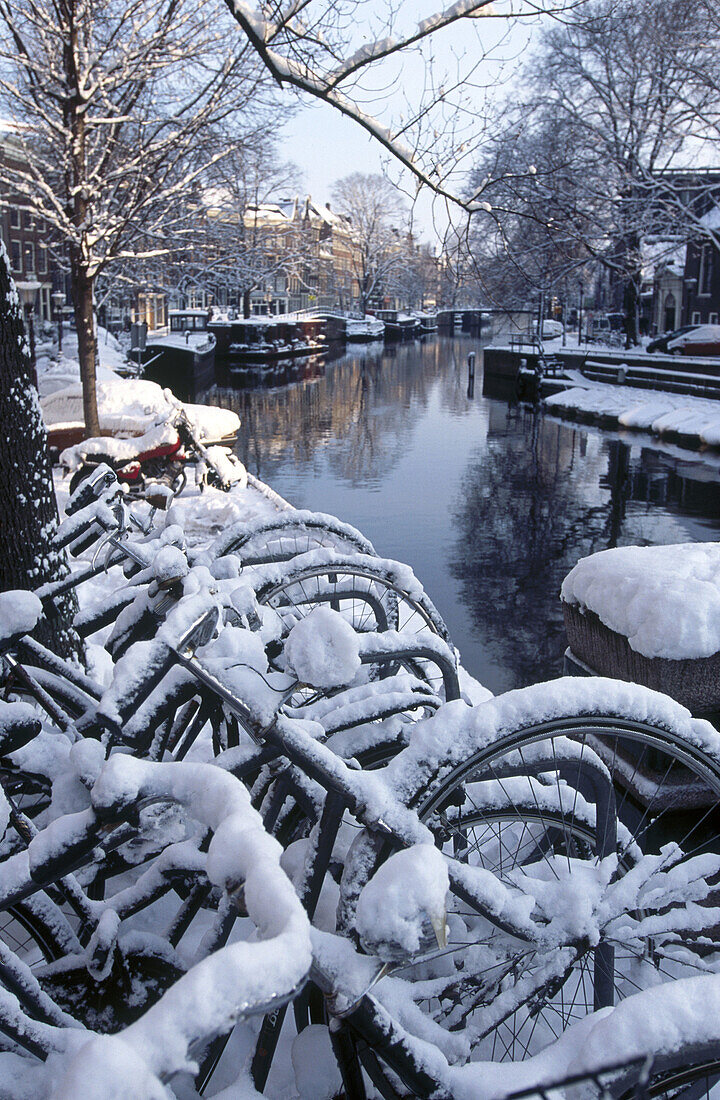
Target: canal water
x=490, y=503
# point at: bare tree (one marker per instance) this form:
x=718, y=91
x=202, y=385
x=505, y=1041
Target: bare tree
x=334, y=51
x=377, y=217
x=28, y=509
x=113, y=102
x=610, y=109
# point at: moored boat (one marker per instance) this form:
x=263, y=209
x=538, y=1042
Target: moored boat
x=428, y=321
x=398, y=325
x=363, y=329
x=266, y=339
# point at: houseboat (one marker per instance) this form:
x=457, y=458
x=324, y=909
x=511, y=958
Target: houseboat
x=355, y=327
x=428, y=322
x=398, y=325
x=183, y=360
x=364, y=329
x=266, y=339
x=188, y=320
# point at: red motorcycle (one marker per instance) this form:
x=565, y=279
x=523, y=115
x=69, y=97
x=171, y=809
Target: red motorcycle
x=157, y=459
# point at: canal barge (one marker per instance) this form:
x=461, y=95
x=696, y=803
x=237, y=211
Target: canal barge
x=183, y=361
x=398, y=325
x=351, y=327
x=427, y=321
x=364, y=329
x=267, y=339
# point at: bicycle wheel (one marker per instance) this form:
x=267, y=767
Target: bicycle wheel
x=34, y=940
x=287, y=535
x=371, y=593
x=552, y=807
x=687, y=1082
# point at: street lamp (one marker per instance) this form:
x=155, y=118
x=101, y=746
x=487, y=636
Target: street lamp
x=58, y=301
x=28, y=292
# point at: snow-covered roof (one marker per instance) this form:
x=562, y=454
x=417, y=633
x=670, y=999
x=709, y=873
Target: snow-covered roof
x=711, y=220
x=662, y=253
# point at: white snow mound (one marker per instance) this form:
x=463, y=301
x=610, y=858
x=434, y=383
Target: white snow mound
x=323, y=649
x=664, y=599
x=408, y=890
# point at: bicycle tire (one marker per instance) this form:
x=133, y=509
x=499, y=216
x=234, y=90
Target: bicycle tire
x=447, y=779
x=286, y=536
x=371, y=593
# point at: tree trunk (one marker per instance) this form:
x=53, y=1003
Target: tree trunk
x=82, y=286
x=28, y=508
x=632, y=311
x=246, y=303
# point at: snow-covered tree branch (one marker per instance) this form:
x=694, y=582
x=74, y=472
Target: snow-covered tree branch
x=119, y=109
x=334, y=51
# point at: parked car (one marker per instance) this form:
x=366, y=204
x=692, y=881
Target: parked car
x=550, y=329
x=704, y=340
x=606, y=328
x=660, y=343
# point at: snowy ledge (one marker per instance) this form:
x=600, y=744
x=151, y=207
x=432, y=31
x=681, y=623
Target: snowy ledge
x=664, y=599
x=696, y=419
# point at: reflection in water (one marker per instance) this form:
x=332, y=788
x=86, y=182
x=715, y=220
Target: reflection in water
x=491, y=505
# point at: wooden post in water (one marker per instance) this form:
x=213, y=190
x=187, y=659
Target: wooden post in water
x=471, y=375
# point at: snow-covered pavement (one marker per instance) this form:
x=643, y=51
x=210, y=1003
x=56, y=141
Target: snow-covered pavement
x=692, y=419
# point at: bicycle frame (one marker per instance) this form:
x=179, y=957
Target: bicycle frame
x=345, y=790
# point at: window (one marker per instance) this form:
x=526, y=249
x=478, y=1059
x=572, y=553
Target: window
x=713, y=319
x=706, y=270
x=29, y=257
x=14, y=217
x=695, y=318
x=16, y=255
x=42, y=259
x=28, y=219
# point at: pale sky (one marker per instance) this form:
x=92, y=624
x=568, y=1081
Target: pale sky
x=327, y=146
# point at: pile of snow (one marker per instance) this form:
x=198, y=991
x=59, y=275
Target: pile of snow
x=60, y=369
x=126, y=406
x=643, y=410
x=19, y=612
x=131, y=406
x=407, y=892
x=323, y=649
x=664, y=599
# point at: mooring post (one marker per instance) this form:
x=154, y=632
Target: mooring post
x=471, y=375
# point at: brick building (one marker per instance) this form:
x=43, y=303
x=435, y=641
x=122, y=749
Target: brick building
x=26, y=237
x=701, y=296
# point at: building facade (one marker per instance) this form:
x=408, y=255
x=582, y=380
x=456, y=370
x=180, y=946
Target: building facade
x=701, y=283
x=26, y=237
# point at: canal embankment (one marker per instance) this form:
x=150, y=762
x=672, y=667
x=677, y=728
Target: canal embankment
x=672, y=397
x=490, y=503
x=677, y=418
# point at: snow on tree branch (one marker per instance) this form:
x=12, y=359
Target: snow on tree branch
x=316, y=57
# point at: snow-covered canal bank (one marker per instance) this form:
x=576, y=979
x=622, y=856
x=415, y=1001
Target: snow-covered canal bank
x=491, y=506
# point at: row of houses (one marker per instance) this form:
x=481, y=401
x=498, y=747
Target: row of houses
x=263, y=258
x=295, y=254
x=27, y=239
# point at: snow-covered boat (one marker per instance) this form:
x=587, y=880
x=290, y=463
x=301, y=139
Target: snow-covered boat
x=427, y=320
x=184, y=361
x=265, y=339
x=364, y=328
x=398, y=325
x=127, y=408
